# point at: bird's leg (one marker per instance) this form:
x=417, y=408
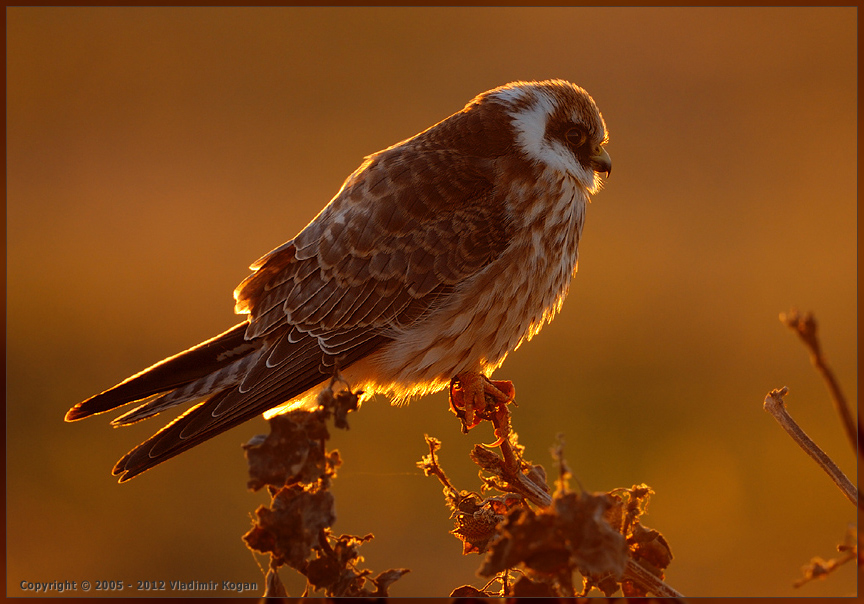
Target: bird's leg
x=474, y=397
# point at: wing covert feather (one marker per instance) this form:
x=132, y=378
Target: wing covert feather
x=411, y=223
x=376, y=255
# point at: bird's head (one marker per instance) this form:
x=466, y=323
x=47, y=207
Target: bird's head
x=557, y=124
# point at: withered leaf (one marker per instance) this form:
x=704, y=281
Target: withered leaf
x=293, y=452
x=289, y=528
x=526, y=588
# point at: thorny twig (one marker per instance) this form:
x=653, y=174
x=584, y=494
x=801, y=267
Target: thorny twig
x=775, y=405
x=805, y=327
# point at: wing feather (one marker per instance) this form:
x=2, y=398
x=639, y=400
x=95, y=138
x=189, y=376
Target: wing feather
x=407, y=226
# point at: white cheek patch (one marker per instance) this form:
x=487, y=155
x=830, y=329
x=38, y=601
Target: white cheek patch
x=530, y=126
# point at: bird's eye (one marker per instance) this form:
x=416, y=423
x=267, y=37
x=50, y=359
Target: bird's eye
x=576, y=137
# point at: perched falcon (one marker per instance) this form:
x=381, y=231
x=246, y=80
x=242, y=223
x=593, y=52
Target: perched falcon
x=437, y=257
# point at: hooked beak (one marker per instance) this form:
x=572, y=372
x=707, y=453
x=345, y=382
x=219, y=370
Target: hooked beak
x=601, y=162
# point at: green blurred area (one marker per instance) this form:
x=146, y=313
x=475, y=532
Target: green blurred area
x=153, y=154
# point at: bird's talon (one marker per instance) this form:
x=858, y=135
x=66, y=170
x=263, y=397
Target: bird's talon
x=505, y=388
x=501, y=439
x=474, y=398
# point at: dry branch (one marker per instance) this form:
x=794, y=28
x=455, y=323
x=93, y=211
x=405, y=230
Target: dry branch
x=818, y=568
x=805, y=327
x=775, y=405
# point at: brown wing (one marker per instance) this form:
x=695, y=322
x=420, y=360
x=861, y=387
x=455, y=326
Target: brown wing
x=407, y=226
x=404, y=230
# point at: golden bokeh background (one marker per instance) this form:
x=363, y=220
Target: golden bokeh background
x=154, y=153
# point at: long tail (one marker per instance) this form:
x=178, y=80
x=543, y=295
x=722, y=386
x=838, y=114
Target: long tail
x=237, y=378
x=170, y=374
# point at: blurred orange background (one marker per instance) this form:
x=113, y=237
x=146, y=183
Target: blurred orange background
x=153, y=154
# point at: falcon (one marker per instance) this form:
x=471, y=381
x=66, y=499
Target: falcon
x=437, y=257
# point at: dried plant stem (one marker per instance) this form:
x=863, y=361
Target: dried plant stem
x=775, y=405
x=512, y=470
x=634, y=572
x=430, y=465
x=819, y=568
x=531, y=491
x=805, y=327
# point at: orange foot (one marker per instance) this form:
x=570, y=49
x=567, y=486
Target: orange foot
x=474, y=397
